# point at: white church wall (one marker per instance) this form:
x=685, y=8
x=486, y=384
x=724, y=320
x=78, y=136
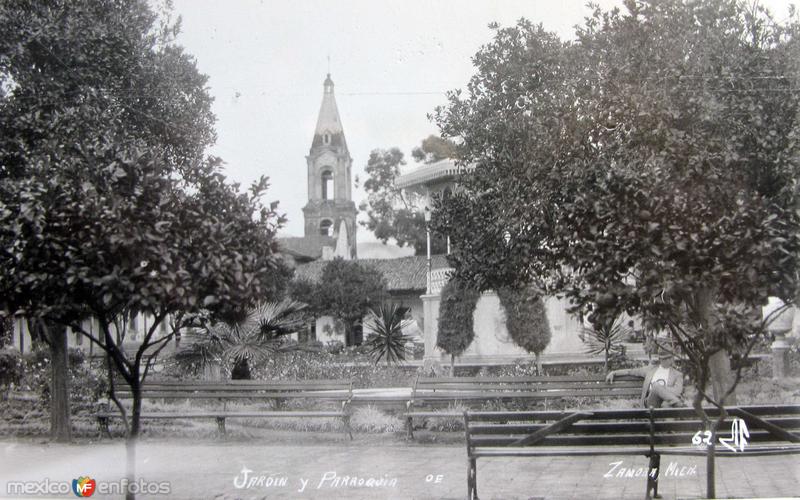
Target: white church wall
x=491, y=334
x=326, y=331
x=564, y=328
x=134, y=330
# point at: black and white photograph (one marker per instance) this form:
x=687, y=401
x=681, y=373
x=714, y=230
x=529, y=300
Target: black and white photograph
x=399, y=249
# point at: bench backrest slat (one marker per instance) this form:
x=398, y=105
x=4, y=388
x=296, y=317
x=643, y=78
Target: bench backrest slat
x=630, y=427
x=500, y=380
x=672, y=427
x=323, y=390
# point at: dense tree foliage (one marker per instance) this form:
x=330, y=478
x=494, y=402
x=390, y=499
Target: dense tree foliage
x=651, y=166
x=433, y=149
x=393, y=213
x=346, y=291
x=108, y=204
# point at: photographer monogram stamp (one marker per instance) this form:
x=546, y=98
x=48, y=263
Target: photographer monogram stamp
x=736, y=443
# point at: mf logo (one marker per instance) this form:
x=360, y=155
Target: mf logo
x=84, y=486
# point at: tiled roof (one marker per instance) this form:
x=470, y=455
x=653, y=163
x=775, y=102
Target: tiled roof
x=404, y=274
x=306, y=247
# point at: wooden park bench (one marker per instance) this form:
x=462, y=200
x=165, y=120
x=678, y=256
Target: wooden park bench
x=429, y=394
x=646, y=432
x=304, y=392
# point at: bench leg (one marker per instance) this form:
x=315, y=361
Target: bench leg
x=221, y=425
x=410, y=428
x=103, y=423
x=472, y=480
x=347, y=427
x=346, y=409
x=652, y=476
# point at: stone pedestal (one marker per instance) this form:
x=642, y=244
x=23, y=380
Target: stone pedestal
x=430, y=309
x=21, y=338
x=780, y=357
x=212, y=371
x=780, y=320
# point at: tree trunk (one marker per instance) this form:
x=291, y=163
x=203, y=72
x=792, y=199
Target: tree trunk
x=711, y=488
x=538, y=361
x=452, y=365
x=721, y=377
x=133, y=437
x=719, y=363
x=60, y=425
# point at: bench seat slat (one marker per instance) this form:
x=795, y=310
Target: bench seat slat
x=529, y=387
x=265, y=414
x=244, y=395
x=463, y=396
x=749, y=451
x=539, y=451
x=221, y=387
x=492, y=380
x=304, y=382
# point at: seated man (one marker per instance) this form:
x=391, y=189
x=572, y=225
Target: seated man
x=663, y=384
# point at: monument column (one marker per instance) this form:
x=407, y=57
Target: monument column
x=430, y=309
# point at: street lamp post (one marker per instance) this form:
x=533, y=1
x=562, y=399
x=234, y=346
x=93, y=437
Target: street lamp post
x=427, y=213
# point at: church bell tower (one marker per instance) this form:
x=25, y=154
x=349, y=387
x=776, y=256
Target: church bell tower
x=330, y=210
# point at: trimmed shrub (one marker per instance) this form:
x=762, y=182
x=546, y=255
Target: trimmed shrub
x=526, y=320
x=456, y=308
x=11, y=370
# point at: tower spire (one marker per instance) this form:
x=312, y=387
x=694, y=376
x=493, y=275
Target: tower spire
x=330, y=210
x=329, y=131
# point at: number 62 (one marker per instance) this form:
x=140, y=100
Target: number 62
x=698, y=439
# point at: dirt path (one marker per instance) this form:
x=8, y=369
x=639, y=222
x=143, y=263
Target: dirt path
x=371, y=469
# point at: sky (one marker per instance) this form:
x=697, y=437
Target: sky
x=391, y=62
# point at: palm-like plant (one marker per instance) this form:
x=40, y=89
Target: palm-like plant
x=387, y=340
x=606, y=337
x=253, y=340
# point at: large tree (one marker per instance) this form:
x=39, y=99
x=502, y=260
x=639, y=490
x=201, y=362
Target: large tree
x=651, y=166
x=393, y=212
x=347, y=290
x=108, y=204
